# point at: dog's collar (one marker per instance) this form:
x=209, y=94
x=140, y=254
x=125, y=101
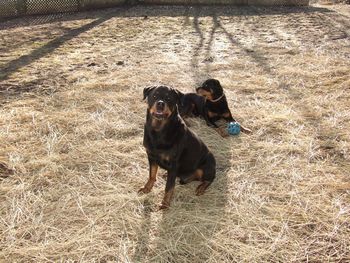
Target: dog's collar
x=218, y=98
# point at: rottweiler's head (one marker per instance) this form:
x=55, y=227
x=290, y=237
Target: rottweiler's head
x=162, y=103
x=210, y=89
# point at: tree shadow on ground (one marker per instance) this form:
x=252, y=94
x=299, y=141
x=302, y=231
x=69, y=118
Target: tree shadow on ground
x=102, y=16
x=149, y=10
x=48, y=48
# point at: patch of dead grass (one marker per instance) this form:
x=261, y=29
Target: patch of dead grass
x=71, y=131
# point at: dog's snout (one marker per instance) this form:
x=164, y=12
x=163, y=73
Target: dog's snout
x=160, y=105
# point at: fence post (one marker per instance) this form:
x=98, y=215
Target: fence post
x=21, y=7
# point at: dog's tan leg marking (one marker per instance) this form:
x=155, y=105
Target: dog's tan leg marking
x=222, y=132
x=152, y=178
x=246, y=130
x=202, y=187
x=167, y=198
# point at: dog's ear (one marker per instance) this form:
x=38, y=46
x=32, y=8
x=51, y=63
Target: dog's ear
x=218, y=86
x=146, y=91
x=179, y=94
x=216, y=82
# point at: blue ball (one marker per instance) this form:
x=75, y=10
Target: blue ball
x=233, y=128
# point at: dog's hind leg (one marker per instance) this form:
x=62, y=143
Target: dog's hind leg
x=208, y=176
x=202, y=187
x=187, y=178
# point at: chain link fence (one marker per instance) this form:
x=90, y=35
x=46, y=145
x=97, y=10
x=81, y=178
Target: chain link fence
x=329, y=1
x=14, y=8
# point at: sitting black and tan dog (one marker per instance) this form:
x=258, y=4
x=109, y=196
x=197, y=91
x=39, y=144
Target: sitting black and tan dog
x=171, y=145
x=216, y=104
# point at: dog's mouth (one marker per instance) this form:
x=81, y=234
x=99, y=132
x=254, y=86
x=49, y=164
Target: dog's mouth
x=160, y=110
x=159, y=115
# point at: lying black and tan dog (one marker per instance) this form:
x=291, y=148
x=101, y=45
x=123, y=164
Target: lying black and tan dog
x=216, y=104
x=172, y=146
x=192, y=105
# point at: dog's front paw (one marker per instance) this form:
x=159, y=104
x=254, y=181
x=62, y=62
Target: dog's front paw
x=164, y=205
x=246, y=130
x=144, y=190
x=202, y=187
x=223, y=132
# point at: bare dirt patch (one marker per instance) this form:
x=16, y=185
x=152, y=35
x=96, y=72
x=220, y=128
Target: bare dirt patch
x=71, y=127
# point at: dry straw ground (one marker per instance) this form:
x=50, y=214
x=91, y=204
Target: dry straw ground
x=72, y=123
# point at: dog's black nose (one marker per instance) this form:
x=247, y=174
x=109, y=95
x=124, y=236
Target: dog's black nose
x=160, y=105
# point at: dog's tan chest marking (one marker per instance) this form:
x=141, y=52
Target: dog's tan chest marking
x=212, y=114
x=164, y=157
x=226, y=115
